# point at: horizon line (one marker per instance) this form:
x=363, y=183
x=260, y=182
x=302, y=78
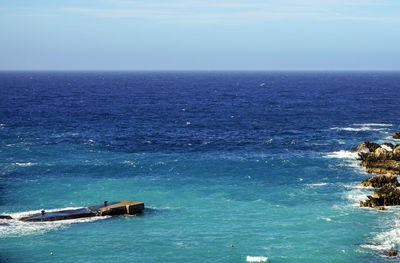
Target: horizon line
x=199, y=70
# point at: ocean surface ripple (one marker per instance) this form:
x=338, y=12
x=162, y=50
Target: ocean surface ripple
x=233, y=166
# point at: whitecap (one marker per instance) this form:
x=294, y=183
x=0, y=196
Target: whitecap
x=256, y=259
x=25, y=164
x=362, y=128
x=391, y=138
x=342, y=154
x=131, y=163
x=373, y=124
x=317, y=184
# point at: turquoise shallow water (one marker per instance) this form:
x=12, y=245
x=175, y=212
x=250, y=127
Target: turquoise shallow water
x=277, y=184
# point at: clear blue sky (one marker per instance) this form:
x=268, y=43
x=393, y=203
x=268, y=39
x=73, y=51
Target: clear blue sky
x=200, y=34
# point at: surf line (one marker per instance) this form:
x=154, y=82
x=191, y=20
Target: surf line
x=382, y=160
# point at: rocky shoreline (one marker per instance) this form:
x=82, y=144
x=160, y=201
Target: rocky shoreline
x=382, y=160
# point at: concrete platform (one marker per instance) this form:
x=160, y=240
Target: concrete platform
x=115, y=208
x=121, y=208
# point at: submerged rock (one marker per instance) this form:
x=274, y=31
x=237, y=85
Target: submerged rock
x=381, y=180
x=5, y=217
x=396, y=135
x=392, y=253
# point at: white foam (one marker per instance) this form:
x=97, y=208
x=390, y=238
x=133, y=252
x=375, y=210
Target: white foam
x=131, y=163
x=256, y=259
x=342, y=154
x=25, y=164
x=15, y=227
x=386, y=240
x=386, y=147
x=391, y=138
x=317, y=184
x=373, y=124
x=357, y=193
x=364, y=127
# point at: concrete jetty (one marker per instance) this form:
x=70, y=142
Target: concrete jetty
x=115, y=208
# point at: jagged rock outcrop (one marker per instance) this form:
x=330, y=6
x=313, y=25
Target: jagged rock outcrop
x=382, y=166
x=396, y=152
x=371, y=146
x=387, y=195
x=396, y=135
x=380, y=159
x=381, y=180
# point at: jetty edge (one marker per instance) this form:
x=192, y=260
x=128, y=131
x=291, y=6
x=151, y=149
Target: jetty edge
x=123, y=207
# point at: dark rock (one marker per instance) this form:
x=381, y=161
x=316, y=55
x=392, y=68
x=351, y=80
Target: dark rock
x=388, y=195
x=5, y=217
x=381, y=180
x=380, y=208
x=392, y=253
x=371, y=146
x=396, y=135
x=374, y=165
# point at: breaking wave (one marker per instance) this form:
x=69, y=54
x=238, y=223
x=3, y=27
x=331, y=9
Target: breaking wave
x=256, y=259
x=364, y=127
x=342, y=154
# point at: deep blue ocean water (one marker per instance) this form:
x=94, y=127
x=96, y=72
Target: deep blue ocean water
x=259, y=160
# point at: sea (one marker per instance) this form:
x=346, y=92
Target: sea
x=232, y=166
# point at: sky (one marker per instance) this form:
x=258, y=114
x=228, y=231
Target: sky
x=199, y=34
